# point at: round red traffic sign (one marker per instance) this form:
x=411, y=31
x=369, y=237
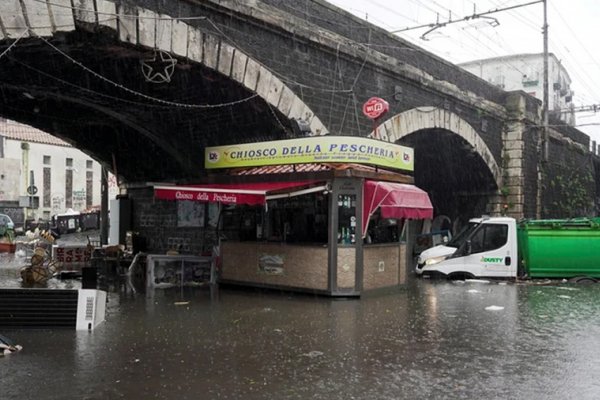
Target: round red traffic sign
x=375, y=107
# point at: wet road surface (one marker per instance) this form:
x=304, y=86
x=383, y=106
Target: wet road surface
x=435, y=340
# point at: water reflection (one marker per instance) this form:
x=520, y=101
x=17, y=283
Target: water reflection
x=430, y=340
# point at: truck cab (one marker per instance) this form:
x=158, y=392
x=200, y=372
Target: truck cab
x=489, y=251
x=439, y=253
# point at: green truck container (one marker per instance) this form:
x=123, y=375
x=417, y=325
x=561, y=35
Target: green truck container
x=560, y=248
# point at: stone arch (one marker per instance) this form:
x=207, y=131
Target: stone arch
x=420, y=118
x=139, y=26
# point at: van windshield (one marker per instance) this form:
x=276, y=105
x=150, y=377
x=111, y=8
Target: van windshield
x=461, y=236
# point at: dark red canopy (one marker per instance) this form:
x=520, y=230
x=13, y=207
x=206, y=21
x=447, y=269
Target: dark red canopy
x=234, y=193
x=396, y=200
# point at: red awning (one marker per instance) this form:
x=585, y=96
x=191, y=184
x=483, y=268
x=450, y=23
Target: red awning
x=236, y=193
x=396, y=200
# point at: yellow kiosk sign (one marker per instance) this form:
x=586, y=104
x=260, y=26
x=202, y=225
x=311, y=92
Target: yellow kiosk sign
x=317, y=149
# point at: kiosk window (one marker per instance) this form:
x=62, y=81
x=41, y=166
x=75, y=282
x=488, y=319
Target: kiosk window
x=383, y=230
x=489, y=237
x=347, y=219
x=300, y=219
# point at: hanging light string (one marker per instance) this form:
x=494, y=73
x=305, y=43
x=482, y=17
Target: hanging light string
x=196, y=18
x=145, y=96
x=66, y=83
x=14, y=43
x=193, y=18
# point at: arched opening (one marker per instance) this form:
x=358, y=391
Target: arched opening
x=452, y=162
x=454, y=175
x=89, y=89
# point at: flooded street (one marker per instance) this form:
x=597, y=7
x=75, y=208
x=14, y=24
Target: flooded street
x=430, y=340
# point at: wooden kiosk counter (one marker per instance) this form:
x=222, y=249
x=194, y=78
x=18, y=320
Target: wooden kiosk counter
x=335, y=228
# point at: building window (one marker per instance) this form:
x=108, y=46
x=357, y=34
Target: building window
x=89, y=189
x=69, y=162
x=532, y=78
x=89, y=164
x=69, y=188
x=47, y=160
x=47, y=184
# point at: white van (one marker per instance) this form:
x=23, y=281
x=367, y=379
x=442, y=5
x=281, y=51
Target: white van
x=489, y=251
x=439, y=253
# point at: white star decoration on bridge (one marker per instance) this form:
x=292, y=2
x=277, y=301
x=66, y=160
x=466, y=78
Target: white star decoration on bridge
x=159, y=67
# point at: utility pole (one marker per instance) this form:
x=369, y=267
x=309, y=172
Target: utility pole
x=104, y=206
x=546, y=95
x=543, y=137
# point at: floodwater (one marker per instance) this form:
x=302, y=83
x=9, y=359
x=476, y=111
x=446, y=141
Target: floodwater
x=432, y=339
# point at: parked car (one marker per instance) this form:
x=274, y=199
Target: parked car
x=6, y=221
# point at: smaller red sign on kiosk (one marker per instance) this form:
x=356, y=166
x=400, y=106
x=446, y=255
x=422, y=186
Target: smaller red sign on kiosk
x=375, y=107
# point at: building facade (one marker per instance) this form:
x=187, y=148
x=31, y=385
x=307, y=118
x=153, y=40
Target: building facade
x=42, y=176
x=526, y=72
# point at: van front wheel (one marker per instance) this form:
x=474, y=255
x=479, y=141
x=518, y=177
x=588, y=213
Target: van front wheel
x=460, y=276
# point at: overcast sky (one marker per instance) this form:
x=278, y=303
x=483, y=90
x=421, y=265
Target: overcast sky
x=574, y=36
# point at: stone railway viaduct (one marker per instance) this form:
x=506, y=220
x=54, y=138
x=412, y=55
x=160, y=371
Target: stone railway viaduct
x=259, y=70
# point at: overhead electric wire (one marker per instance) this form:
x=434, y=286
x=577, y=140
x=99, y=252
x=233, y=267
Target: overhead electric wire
x=392, y=10
x=480, y=42
x=421, y=4
x=568, y=26
x=318, y=17
x=527, y=23
x=475, y=15
x=432, y=49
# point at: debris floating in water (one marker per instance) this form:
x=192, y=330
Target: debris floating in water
x=313, y=354
x=181, y=303
x=494, y=308
x=7, y=346
x=564, y=296
x=473, y=291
